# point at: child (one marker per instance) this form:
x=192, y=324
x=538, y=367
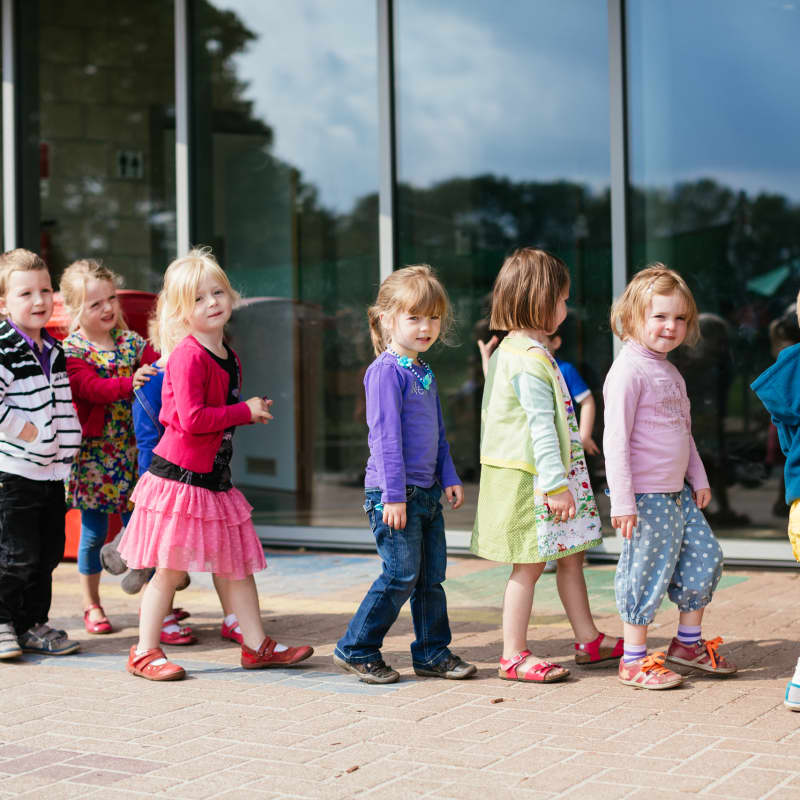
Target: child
x=187, y=514
x=409, y=463
x=657, y=482
x=106, y=361
x=535, y=501
x=777, y=388
x=39, y=438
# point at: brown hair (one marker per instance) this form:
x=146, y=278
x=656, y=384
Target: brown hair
x=17, y=260
x=413, y=289
x=527, y=290
x=629, y=311
x=73, y=288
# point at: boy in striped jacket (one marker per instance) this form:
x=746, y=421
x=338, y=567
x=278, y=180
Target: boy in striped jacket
x=39, y=437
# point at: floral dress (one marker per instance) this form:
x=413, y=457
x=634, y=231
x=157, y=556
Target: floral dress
x=104, y=471
x=512, y=522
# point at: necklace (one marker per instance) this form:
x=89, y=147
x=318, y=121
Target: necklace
x=404, y=361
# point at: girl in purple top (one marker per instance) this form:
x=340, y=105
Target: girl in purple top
x=409, y=463
x=657, y=482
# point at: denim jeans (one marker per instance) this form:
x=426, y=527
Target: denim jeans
x=31, y=545
x=94, y=532
x=414, y=563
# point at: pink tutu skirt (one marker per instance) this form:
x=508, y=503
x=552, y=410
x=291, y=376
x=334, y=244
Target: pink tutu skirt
x=182, y=527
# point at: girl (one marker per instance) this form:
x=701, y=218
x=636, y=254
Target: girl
x=105, y=362
x=409, y=462
x=657, y=482
x=535, y=501
x=188, y=515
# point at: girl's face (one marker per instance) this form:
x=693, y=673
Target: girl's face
x=664, y=326
x=213, y=306
x=100, y=307
x=413, y=334
x=561, y=312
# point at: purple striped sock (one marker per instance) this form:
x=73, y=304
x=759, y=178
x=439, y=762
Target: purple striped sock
x=632, y=652
x=689, y=634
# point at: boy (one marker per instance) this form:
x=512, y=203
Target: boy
x=39, y=437
x=778, y=388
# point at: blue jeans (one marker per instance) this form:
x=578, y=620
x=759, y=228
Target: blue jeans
x=414, y=562
x=94, y=531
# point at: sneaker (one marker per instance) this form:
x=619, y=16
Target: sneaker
x=453, y=667
x=266, y=655
x=369, y=671
x=792, y=697
x=9, y=644
x=648, y=673
x=230, y=632
x=47, y=641
x=702, y=655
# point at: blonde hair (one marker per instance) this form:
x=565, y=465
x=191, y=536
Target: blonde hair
x=527, y=290
x=176, y=300
x=411, y=290
x=73, y=289
x=17, y=260
x=629, y=311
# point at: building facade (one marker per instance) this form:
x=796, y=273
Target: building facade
x=317, y=145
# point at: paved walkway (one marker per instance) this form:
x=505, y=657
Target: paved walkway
x=80, y=726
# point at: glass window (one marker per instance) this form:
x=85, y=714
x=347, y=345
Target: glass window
x=503, y=138
x=98, y=142
x=285, y=177
x=714, y=119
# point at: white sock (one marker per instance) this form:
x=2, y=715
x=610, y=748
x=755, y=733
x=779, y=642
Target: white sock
x=279, y=648
x=231, y=620
x=156, y=662
x=796, y=678
x=170, y=624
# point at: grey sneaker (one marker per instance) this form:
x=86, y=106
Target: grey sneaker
x=110, y=558
x=453, y=668
x=369, y=672
x=9, y=644
x=47, y=641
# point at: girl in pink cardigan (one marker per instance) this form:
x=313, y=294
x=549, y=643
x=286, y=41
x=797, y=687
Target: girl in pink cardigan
x=188, y=515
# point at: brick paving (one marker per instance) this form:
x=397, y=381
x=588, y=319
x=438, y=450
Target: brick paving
x=80, y=726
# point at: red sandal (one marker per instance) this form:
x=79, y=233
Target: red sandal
x=182, y=636
x=543, y=672
x=141, y=666
x=596, y=653
x=266, y=656
x=180, y=613
x=96, y=625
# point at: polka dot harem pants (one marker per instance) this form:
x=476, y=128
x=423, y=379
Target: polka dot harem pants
x=672, y=550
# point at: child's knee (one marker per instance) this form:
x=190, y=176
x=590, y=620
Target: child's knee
x=168, y=579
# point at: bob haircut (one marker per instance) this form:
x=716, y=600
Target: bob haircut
x=411, y=290
x=73, y=289
x=176, y=300
x=527, y=290
x=18, y=260
x=629, y=312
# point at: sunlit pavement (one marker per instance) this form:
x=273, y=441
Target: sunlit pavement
x=80, y=726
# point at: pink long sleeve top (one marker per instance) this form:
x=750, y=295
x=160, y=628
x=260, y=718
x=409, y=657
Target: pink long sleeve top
x=647, y=442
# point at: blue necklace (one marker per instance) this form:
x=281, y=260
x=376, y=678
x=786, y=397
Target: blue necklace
x=404, y=361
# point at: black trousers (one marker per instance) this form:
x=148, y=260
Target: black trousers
x=31, y=545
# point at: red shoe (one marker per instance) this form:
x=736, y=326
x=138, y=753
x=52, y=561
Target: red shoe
x=703, y=655
x=230, y=632
x=98, y=625
x=141, y=666
x=182, y=636
x=180, y=613
x=648, y=673
x=266, y=656
x=602, y=650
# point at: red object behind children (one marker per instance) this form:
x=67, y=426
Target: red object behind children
x=137, y=307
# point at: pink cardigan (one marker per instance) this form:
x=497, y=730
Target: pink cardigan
x=193, y=409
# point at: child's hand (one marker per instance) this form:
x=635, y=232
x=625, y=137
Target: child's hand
x=259, y=409
x=486, y=349
x=702, y=497
x=590, y=446
x=142, y=375
x=394, y=515
x=29, y=432
x=561, y=505
x=454, y=495
x=625, y=524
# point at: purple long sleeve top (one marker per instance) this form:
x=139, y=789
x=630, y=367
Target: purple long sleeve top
x=407, y=441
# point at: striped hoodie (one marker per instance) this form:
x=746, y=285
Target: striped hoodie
x=27, y=396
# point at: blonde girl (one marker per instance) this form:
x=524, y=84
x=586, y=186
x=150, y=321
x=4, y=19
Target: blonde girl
x=535, y=501
x=657, y=482
x=106, y=361
x=188, y=515
x=408, y=469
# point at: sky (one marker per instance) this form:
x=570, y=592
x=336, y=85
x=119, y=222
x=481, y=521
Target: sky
x=520, y=89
